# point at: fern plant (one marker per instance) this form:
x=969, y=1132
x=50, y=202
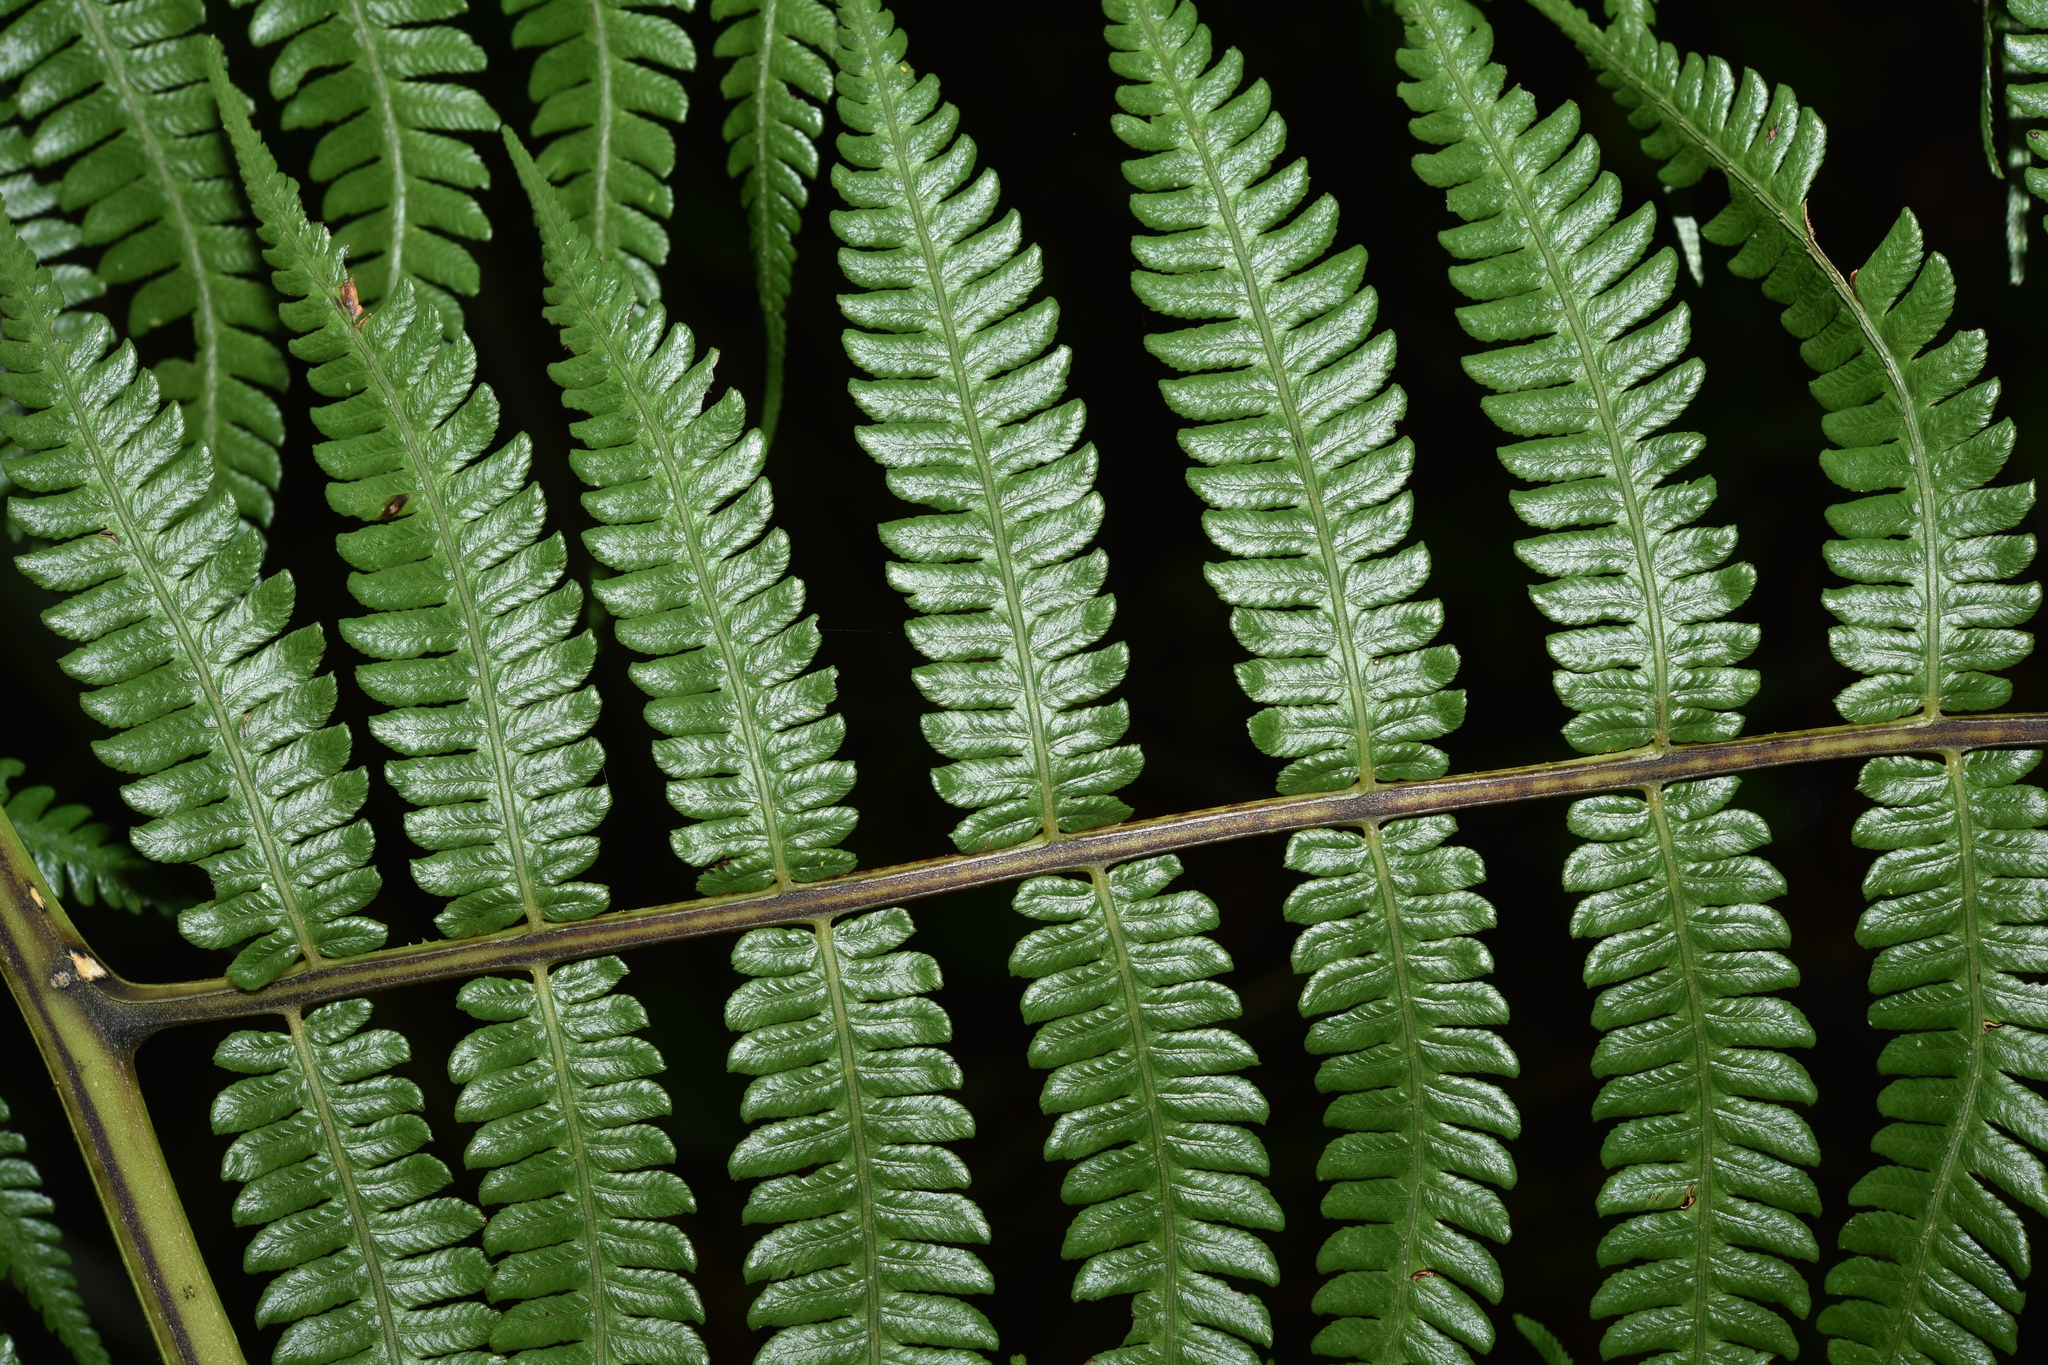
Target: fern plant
x=120, y=97
x=1297, y=461
x=78, y=856
x=220, y=714
x=605, y=70
x=30, y=1257
x=1687, y=948
x=139, y=511
x=399, y=189
x=778, y=57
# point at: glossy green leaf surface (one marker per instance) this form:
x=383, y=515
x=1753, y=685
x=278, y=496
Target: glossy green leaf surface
x=1405, y=1026
x=117, y=89
x=218, y=709
x=1929, y=621
x=1936, y=1252
x=398, y=187
x=1295, y=443
x=1589, y=373
x=605, y=76
x=31, y=1259
x=82, y=859
x=472, y=625
x=1930, y=616
x=701, y=581
x=557, y=1081
x=365, y=1252
x=1149, y=1110
x=778, y=50
x=845, y=1046
x=1305, y=479
x=969, y=418
x=2026, y=54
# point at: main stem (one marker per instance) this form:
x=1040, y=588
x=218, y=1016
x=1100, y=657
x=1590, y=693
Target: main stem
x=92, y=1063
x=139, y=1010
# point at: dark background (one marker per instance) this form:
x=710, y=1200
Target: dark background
x=1897, y=82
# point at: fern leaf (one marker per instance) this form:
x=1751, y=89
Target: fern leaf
x=602, y=81
x=1297, y=461
x=2026, y=54
x=842, y=1039
x=968, y=419
x=118, y=88
x=398, y=188
x=85, y=862
x=365, y=1257
x=30, y=200
x=1929, y=616
x=470, y=618
x=558, y=1079
x=678, y=491
x=31, y=1257
x=776, y=48
x=1936, y=1253
x=1692, y=1042
x=1543, y=1341
x=1149, y=1110
x=220, y=711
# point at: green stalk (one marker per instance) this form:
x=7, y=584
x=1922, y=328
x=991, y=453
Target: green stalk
x=91, y=1061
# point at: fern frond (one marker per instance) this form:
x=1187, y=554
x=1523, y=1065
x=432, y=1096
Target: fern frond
x=2026, y=54
x=1300, y=467
x=118, y=88
x=1406, y=1025
x=1957, y=921
x=1929, y=616
x=221, y=712
x=1149, y=1110
x=332, y=1175
x=776, y=48
x=29, y=200
x=1543, y=1341
x=968, y=419
x=1691, y=1046
x=31, y=1257
x=698, y=585
x=842, y=1039
x=398, y=189
x=604, y=73
x=558, y=1081
x=470, y=617
x=84, y=862
x=1299, y=462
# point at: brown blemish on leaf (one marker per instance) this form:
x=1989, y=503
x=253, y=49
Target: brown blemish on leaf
x=393, y=506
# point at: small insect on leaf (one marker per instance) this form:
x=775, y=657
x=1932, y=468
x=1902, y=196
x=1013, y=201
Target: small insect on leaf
x=37, y=897
x=1990, y=1024
x=85, y=966
x=352, y=302
x=1424, y=1275
x=1771, y=136
x=1690, y=1192
x=393, y=506
x=109, y=535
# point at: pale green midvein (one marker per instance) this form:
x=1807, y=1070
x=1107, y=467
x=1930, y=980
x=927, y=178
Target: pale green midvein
x=882, y=81
x=205, y=324
x=351, y=1193
x=1702, y=1191
x=1590, y=37
x=857, y=1141
x=1141, y=1053
x=226, y=724
x=394, y=152
x=1290, y=412
x=1419, y=1169
x=1619, y=447
x=655, y=428
x=579, y=1161
x=1963, y=1129
x=600, y=203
